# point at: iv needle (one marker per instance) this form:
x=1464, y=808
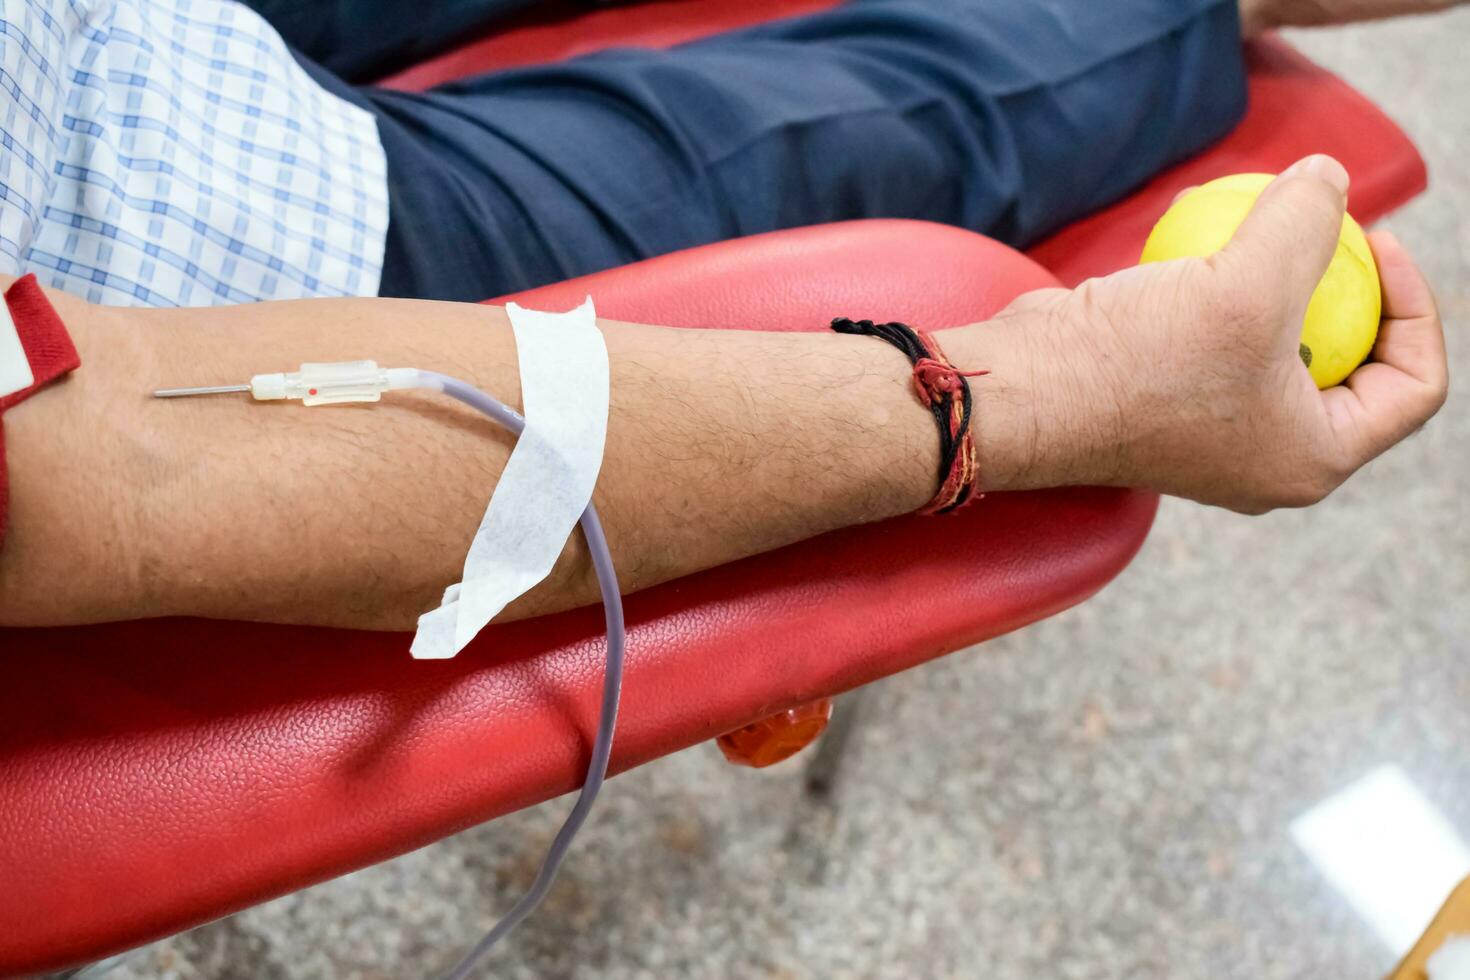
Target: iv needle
x=187, y=392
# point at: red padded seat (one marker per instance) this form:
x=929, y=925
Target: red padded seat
x=157, y=775
x=198, y=767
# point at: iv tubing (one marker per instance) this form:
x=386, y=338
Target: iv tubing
x=612, y=603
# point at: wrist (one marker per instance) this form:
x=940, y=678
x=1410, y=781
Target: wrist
x=1042, y=417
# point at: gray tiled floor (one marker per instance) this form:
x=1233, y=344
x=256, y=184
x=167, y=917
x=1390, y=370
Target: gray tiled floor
x=1104, y=795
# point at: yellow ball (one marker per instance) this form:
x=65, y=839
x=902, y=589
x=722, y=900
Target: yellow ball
x=1342, y=320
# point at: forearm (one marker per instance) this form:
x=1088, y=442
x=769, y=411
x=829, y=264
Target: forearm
x=1184, y=377
x=721, y=444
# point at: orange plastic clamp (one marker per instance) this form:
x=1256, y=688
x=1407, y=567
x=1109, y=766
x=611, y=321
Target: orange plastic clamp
x=778, y=737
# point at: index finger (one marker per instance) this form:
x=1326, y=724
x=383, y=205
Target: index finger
x=1411, y=337
x=1385, y=401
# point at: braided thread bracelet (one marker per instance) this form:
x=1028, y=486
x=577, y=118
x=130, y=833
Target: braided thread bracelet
x=943, y=389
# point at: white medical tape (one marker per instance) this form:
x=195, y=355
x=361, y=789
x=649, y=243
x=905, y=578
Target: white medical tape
x=547, y=482
x=15, y=366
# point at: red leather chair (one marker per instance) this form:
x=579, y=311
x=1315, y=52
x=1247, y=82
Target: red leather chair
x=157, y=775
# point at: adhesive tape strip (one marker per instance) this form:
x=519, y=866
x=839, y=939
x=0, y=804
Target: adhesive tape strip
x=547, y=482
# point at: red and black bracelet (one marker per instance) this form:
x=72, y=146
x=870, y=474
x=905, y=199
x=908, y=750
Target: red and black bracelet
x=945, y=391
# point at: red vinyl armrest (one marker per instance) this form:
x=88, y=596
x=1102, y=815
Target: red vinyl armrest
x=198, y=767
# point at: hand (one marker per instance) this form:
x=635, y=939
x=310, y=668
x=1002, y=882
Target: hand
x=1264, y=15
x=1184, y=376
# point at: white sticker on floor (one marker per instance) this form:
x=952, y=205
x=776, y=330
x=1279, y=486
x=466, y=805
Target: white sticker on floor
x=1388, y=851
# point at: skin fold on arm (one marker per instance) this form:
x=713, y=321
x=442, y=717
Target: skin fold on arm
x=1182, y=377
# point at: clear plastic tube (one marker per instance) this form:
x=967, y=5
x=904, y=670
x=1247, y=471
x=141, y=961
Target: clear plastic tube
x=363, y=381
x=612, y=603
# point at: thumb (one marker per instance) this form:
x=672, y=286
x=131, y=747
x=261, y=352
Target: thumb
x=1291, y=235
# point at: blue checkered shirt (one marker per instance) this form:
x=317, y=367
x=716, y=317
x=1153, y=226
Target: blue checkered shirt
x=173, y=153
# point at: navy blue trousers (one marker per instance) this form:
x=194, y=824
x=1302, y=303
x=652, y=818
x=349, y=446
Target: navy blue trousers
x=362, y=40
x=1010, y=117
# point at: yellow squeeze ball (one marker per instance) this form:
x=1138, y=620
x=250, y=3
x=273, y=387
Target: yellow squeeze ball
x=1342, y=320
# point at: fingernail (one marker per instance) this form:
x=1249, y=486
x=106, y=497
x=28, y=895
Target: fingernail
x=1324, y=168
x=1184, y=193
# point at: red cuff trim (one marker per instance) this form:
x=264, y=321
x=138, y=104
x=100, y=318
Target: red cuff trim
x=47, y=345
x=49, y=350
